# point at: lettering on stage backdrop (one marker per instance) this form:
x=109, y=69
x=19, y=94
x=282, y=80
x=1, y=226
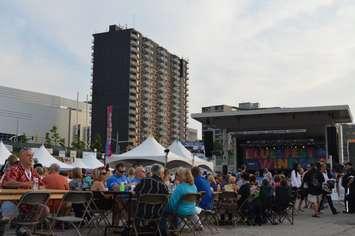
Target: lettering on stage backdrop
x=281, y=158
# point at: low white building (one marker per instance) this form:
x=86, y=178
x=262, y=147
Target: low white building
x=34, y=114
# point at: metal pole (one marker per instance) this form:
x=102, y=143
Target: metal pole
x=77, y=118
x=69, y=110
x=117, y=149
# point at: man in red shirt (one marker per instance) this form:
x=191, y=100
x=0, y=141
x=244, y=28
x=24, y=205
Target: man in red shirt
x=54, y=180
x=22, y=175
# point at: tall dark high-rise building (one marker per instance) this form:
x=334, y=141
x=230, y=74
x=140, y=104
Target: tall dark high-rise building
x=146, y=85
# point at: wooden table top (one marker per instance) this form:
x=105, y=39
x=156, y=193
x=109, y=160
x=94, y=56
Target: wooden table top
x=15, y=194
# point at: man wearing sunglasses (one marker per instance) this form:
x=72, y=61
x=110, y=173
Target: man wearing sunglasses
x=119, y=177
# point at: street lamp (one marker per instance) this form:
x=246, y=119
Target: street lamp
x=166, y=157
x=70, y=109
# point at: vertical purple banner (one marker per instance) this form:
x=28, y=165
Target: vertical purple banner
x=108, y=150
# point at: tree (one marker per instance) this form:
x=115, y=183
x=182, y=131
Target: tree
x=22, y=139
x=78, y=144
x=53, y=138
x=97, y=143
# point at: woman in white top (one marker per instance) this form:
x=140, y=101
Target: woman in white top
x=296, y=180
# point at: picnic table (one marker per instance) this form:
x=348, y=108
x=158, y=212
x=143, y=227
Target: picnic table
x=16, y=194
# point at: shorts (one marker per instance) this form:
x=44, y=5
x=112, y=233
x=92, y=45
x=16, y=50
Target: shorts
x=313, y=198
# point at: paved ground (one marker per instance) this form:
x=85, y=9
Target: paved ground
x=304, y=225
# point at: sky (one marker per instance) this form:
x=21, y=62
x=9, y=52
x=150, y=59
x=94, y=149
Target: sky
x=277, y=52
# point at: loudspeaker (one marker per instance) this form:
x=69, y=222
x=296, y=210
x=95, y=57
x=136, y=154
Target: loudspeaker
x=208, y=142
x=332, y=141
x=224, y=169
x=352, y=153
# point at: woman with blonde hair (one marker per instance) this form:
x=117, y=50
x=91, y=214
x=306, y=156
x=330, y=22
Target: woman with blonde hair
x=130, y=174
x=186, y=185
x=99, y=180
x=232, y=185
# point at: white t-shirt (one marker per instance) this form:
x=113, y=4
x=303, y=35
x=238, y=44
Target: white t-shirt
x=295, y=179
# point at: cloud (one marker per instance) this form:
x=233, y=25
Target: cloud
x=279, y=52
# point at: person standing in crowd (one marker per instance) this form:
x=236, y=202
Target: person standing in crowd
x=203, y=185
x=314, y=179
x=349, y=171
x=327, y=188
x=303, y=189
x=54, y=180
x=351, y=195
x=22, y=175
x=295, y=178
x=77, y=181
x=118, y=178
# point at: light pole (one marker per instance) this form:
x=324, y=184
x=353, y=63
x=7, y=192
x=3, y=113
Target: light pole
x=166, y=157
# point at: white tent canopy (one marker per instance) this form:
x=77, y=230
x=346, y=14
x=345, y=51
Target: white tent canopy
x=179, y=149
x=79, y=163
x=150, y=151
x=91, y=161
x=4, y=153
x=46, y=159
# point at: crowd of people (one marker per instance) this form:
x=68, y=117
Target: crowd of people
x=312, y=186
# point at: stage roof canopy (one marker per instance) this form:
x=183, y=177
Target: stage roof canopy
x=310, y=120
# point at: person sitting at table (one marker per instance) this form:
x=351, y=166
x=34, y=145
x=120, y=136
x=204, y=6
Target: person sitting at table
x=41, y=172
x=77, y=182
x=54, y=180
x=139, y=174
x=254, y=188
x=282, y=196
x=244, y=190
x=186, y=185
x=153, y=185
x=10, y=161
x=118, y=178
x=87, y=179
x=213, y=183
x=22, y=175
x=232, y=185
x=99, y=180
x=203, y=185
x=130, y=173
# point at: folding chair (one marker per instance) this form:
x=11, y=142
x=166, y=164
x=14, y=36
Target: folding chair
x=286, y=214
x=100, y=209
x=228, y=205
x=188, y=221
x=32, y=207
x=82, y=198
x=149, y=213
x=208, y=217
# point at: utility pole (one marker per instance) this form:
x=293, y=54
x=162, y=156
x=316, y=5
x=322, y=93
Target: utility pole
x=117, y=146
